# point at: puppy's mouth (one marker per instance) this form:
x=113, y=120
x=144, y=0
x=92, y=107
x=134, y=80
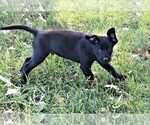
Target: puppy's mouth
x=104, y=60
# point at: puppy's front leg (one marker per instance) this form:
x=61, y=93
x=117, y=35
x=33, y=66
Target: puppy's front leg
x=111, y=70
x=86, y=69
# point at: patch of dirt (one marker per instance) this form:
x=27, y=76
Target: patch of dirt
x=146, y=53
x=142, y=54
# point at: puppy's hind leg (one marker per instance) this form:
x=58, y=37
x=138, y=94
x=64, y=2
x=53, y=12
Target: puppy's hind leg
x=26, y=61
x=35, y=60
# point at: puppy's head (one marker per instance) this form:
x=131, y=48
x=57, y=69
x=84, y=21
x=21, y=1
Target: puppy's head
x=103, y=45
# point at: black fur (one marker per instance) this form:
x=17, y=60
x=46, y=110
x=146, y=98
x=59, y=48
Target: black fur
x=76, y=46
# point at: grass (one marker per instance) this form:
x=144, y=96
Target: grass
x=58, y=85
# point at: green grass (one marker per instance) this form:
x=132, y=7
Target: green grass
x=59, y=83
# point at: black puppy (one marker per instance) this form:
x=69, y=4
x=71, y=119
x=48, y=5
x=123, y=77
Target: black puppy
x=76, y=46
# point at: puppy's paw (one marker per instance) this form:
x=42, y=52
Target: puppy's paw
x=121, y=77
x=92, y=82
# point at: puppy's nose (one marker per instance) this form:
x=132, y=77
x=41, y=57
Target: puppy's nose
x=105, y=59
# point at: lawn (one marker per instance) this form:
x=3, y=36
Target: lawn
x=58, y=85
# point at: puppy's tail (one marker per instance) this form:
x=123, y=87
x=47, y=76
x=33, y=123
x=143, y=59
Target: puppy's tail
x=20, y=27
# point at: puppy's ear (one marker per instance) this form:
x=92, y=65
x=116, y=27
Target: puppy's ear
x=93, y=39
x=112, y=35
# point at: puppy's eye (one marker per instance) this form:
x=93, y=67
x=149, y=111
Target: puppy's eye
x=109, y=50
